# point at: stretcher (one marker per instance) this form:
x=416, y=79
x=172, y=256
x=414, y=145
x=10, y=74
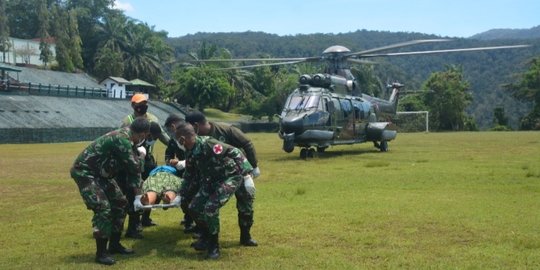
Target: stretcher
x=162, y=205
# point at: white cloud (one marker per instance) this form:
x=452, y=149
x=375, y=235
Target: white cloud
x=122, y=6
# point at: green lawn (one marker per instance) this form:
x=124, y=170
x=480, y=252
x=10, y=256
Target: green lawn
x=435, y=200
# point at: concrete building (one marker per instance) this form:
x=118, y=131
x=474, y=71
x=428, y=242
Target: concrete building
x=116, y=87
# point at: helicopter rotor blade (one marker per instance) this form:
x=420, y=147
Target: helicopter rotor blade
x=249, y=60
x=363, y=62
x=446, y=51
x=262, y=65
x=397, y=45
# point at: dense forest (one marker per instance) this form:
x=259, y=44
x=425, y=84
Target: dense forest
x=93, y=37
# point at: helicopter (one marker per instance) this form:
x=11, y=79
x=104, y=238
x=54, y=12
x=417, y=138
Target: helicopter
x=329, y=109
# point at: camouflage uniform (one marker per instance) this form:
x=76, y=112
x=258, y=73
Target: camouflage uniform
x=235, y=137
x=94, y=171
x=149, y=160
x=148, y=165
x=173, y=151
x=217, y=169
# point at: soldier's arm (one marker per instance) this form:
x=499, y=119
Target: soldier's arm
x=169, y=152
x=131, y=163
x=164, y=137
x=240, y=140
x=241, y=161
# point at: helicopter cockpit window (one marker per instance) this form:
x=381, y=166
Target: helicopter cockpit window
x=302, y=102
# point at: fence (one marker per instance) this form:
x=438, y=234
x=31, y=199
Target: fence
x=53, y=90
x=51, y=135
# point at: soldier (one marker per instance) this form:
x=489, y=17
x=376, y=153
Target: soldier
x=245, y=195
x=94, y=171
x=175, y=156
x=139, y=103
x=216, y=170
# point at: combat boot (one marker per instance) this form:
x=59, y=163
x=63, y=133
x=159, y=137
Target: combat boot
x=102, y=257
x=213, y=247
x=134, y=229
x=146, y=221
x=245, y=237
x=116, y=248
x=202, y=242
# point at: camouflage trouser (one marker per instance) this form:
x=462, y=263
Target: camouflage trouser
x=104, y=197
x=188, y=189
x=210, y=198
x=244, y=205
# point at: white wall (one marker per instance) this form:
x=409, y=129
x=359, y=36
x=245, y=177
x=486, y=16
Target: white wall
x=25, y=51
x=114, y=89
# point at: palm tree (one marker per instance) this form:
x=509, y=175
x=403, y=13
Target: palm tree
x=112, y=31
x=141, y=59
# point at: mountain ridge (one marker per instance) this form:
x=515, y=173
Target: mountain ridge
x=508, y=33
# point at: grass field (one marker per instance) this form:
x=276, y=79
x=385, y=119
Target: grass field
x=436, y=200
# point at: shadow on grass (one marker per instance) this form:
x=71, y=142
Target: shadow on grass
x=329, y=154
x=161, y=241
x=165, y=241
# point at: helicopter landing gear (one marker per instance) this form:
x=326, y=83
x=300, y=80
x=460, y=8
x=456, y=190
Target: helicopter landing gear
x=383, y=145
x=306, y=153
x=288, y=146
x=321, y=149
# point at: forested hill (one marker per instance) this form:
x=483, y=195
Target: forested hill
x=531, y=33
x=485, y=70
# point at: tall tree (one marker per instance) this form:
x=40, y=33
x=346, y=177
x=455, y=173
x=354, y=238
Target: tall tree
x=90, y=13
x=22, y=18
x=43, y=32
x=5, y=43
x=141, y=58
x=108, y=62
x=63, y=57
x=447, y=96
x=528, y=89
x=112, y=31
x=201, y=87
x=75, y=42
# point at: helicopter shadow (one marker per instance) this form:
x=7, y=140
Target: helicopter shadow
x=329, y=154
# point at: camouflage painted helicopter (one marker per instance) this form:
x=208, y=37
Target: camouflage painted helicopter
x=328, y=108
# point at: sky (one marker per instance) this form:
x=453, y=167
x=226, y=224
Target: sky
x=445, y=18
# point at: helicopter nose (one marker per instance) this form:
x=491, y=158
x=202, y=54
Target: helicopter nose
x=292, y=125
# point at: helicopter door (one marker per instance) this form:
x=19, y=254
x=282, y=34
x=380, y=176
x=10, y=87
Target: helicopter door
x=337, y=117
x=348, y=123
x=329, y=105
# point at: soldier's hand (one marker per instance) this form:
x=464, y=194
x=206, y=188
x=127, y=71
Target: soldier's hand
x=249, y=184
x=180, y=165
x=137, y=204
x=142, y=152
x=177, y=200
x=256, y=172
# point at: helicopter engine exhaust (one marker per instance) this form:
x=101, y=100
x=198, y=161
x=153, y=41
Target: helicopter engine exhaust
x=380, y=131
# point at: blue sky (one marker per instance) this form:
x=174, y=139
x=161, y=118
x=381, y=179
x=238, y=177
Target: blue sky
x=452, y=18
